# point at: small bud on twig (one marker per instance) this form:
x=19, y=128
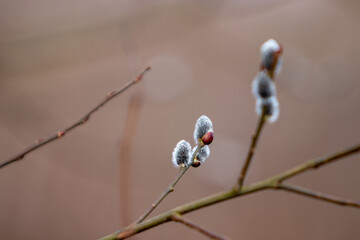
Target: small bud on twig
x=270, y=53
x=196, y=163
x=181, y=155
x=207, y=138
x=202, y=127
x=263, y=86
x=60, y=133
x=201, y=156
x=270, y=106
x=38, y=141
x=111, y=93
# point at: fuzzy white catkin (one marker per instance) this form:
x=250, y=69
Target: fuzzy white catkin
x=202, y=126
x=263, y=86
x=181, y=154
x=272, y=109
x=203, y=154
x=267, y=54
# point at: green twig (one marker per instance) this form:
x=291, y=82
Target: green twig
x=272, y=182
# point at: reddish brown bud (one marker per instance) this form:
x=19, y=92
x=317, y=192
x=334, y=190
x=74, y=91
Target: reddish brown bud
x=60, y=133
x=196, y=163
x=111, y=93
x=207, y=138
x=38, y=141
x=138, y=78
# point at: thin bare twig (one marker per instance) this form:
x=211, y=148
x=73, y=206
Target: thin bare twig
x=251, y=150
x=41, y=142
x=269, y=183
x=318, y=195
x=169, y=189
x=181, y=219
x=162, y=196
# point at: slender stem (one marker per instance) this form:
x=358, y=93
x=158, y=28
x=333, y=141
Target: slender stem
x=271, y=182
x=169, y=189
x=319, y=195
x=251, y=150
x=181, y=219
x=41, y=142
x=162, y=196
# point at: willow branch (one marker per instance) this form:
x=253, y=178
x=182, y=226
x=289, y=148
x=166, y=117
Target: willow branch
x=318, y=195
x=251, y=150
x=180, y=219
x=41, y=142
x=314, y=164
x=169, y=189
x=189, y=207
x=269, y=183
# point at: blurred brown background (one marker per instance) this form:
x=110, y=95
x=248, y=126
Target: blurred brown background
x=59, y=58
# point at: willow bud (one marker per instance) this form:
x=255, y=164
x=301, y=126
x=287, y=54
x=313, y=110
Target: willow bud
x=270, y=106
x=201, y=156
x=263, y=86
x=202, y=127
x=207, y=138
x=270, y=53
x=181, y=155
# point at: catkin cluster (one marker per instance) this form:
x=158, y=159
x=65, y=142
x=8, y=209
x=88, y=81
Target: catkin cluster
x=263, y=86
x=185, y=156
